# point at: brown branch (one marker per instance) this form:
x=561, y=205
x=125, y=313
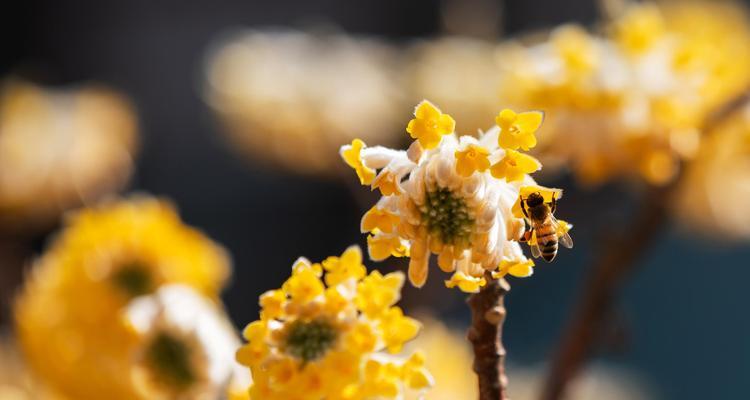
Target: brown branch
x=609, y=272
x=485, y=335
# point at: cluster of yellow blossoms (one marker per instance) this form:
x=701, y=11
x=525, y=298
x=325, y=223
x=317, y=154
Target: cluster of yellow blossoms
x=322, y=336
x=60, y=148
x=457, y=197
x=632, y=101
x=77, y=319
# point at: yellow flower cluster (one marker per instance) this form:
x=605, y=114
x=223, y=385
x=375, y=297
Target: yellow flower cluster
x=69, y=316
x=59, y=149
x=451, y=195
x=633, y=100
x=273, y=88
x=321, y=336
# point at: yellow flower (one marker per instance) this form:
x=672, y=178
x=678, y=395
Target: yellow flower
x=473, y=158
x=397, y=329
x=353, y=157
x=69, y=310
x=521, y=269
x=349, y=265
x=272, y=302
x=379, y=218
x=517, y=130
x=415, y=373
x=467, y=283
x=380, y=247
x=640, y=27
x=387, y=183
x=430, y=125
x=331, y=346
x=514, y=166
x=376, y=293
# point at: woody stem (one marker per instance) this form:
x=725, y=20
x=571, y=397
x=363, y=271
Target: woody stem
x=485, y=335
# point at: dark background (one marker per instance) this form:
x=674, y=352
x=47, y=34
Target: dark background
x=682, y=323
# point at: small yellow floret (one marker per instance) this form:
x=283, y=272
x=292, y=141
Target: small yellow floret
x=397, y=329
x=517, y=130
x=381, y=219
x=387, y=183
x=519, y=269
x=473, y=158
x=430, y=125
x=352, y=155
x=466, y=283
x=380, y=247
x=304, y=284
x=272, y=303
x=349, y=265
x=514, y=166
x=376, y=293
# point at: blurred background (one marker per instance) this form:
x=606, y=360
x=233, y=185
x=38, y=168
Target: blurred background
x=270, y=191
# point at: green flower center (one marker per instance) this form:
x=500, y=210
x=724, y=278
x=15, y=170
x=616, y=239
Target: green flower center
x=446, y=216
x=134, y=279
x=169, y=359
x=309, y=340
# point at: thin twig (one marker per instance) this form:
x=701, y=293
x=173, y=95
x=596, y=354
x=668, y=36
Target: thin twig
x=609, y=272
x=485, y=335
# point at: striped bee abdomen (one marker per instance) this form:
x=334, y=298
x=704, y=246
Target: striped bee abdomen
x=547, y=238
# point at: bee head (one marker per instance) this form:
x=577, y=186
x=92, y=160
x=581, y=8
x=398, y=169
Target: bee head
x=534, y=199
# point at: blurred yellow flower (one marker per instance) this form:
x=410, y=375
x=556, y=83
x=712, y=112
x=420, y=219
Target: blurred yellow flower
x=430, y=125
x=639, y=28
x=450, y=203
x=632, y=100
x=280, y=87
x=71, y=306
x=60, y=148
x=321, y=340
x=185, y=345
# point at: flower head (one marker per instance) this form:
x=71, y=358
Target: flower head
x=429, y=125
x=71, y=307
x=454, y=203
x=331, y=342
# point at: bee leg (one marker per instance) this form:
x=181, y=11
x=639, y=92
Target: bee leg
x=554, y=204
x=526, y=235
x=523, y=207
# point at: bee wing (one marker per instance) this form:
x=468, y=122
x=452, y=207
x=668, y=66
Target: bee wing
x=535, y=250
x=564, y=239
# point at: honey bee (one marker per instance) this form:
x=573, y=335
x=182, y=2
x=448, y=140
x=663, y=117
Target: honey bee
x=541, y=222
